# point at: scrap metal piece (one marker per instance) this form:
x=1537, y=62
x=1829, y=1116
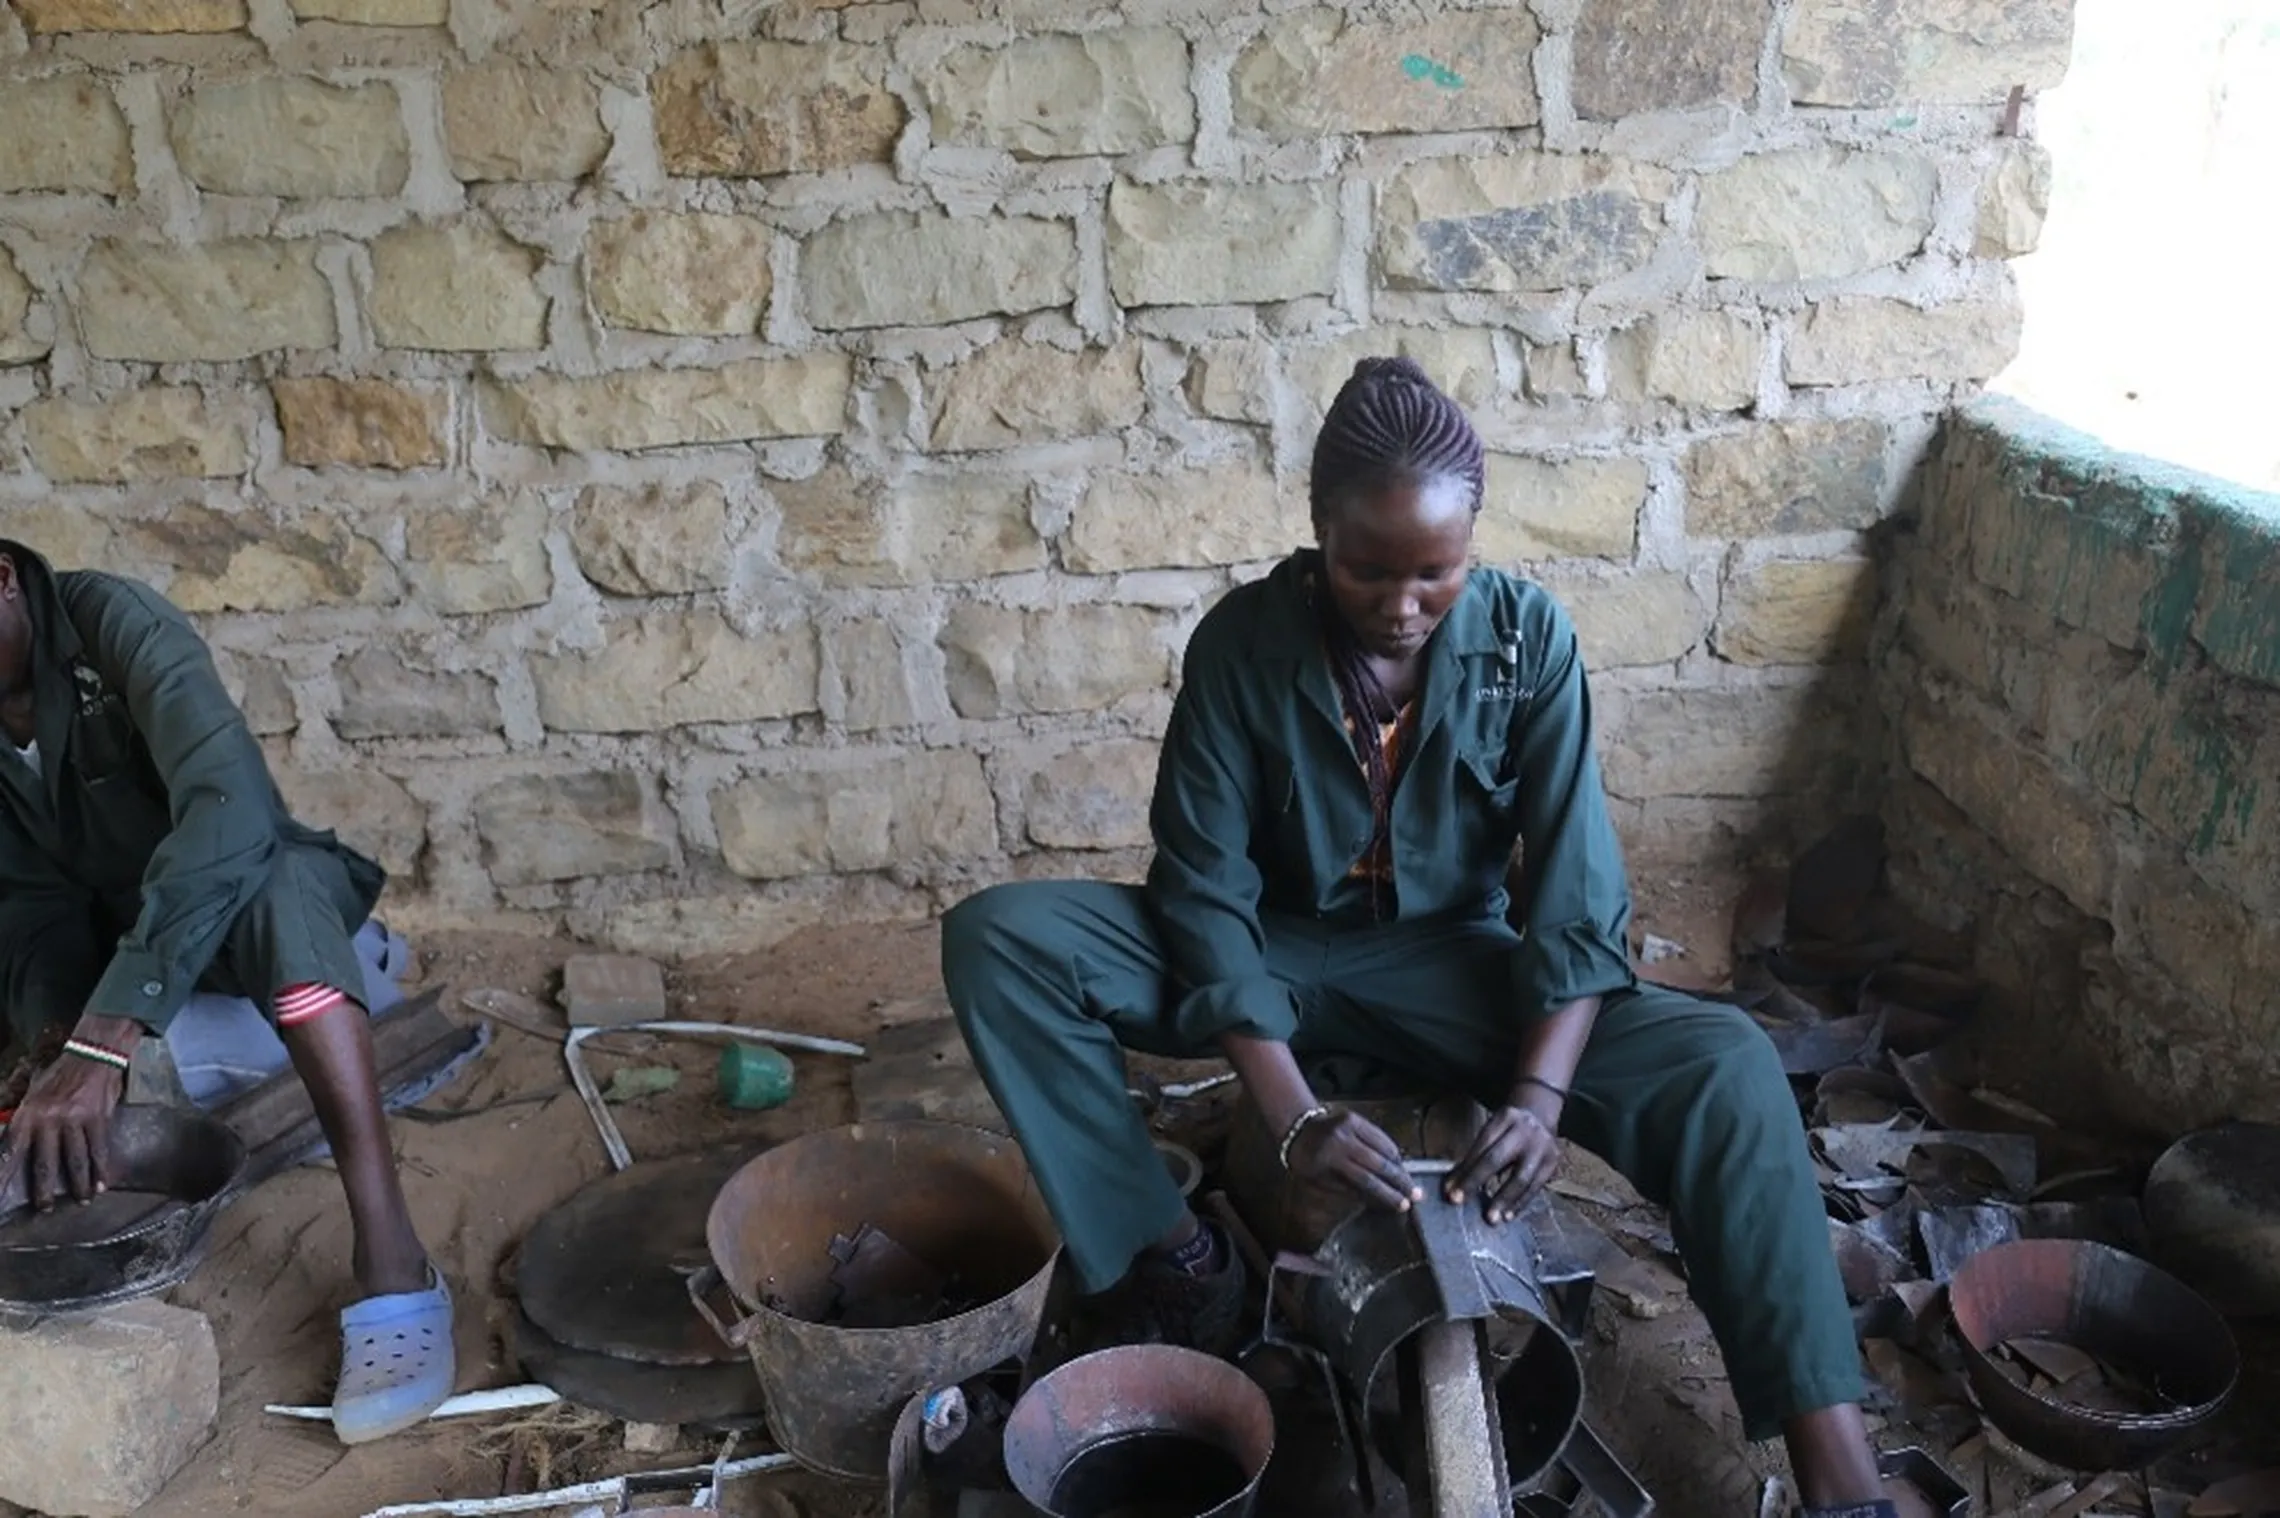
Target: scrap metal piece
x=1952, y=1235
x=1460, y=1430
x=2212, y=1203
x=2113, y=1306
x=1866, y=1153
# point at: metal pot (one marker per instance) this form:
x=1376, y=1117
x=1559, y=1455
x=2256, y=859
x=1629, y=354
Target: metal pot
x=172, y=1171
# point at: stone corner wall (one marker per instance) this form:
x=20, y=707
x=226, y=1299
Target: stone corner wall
x=2084, y=679
x=681, y=471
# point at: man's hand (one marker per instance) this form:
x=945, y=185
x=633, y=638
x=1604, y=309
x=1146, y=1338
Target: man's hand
x=60, y=1137
x=1514, y=1156
x=1349, y=1150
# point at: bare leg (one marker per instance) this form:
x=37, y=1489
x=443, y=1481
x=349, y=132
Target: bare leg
x=333, y=1054
x=1834, y=1463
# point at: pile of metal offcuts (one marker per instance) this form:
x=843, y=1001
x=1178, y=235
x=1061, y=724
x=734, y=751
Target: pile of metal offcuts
x=2005, y=1281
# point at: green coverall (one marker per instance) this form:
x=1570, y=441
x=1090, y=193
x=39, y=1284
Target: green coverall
x=1252, y=922
x=151, y=854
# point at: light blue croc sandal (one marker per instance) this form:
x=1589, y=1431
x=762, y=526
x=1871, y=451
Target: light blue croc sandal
x=396, y=1362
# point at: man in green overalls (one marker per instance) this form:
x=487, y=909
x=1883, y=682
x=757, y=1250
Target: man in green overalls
x=1359, y=742
x=144, y=853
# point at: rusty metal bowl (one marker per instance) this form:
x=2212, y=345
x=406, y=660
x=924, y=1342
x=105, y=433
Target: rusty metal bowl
x=2105, y=1303
x=960, y=1198
x=173, y=1170
x=1126, y=1397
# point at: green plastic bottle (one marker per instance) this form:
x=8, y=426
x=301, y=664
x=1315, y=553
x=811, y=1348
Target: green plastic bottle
x=754, y=1077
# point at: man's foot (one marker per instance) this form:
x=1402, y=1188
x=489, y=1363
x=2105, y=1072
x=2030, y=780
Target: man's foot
x=397, y=1362
x=1192, y=1297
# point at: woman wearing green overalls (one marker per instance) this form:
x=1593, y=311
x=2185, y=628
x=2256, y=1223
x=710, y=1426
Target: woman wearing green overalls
x=1359, y=741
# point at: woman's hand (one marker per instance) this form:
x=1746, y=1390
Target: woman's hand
x=1346, y=1149
x=60, y=1137
x=1514, y=1156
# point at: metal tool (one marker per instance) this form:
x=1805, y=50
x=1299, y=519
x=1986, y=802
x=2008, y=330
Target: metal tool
x=1452, y=1342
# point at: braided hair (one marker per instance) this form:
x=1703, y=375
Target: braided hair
x=1388, y=428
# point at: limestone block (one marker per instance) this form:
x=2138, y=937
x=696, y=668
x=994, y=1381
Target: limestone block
x=1882, y=52
x=1798, y=612
x=847, y=531
x=292, y=137
x=1559, y=509
x=1213, y=244
x=125, y=1397
x=1553, y=371
x=1752, y=742
x=2098, y=574
x=382, y=696
x=19, y=343
x=1193, y=519
x=1697, y=358
x=1462, y=361
x=1015, y=392
x=361, y=424
x=2013, y=201
x=760, y=108
x=1785, y=477
x=608, y=991
x=1092, y=798
x=674, y=669
x=1002, y=661
x=2040, y=819
x=44, y=17
x=902, y=269
x=259, y=689
x=695, y=274
x=1643, y=617
x=1863, y=338
x=507, y=121
x=68, y=537
x=539, y=828
x=375, y=12
x=658, y=540
x=874, y=679
x=666, y=408
x=1061, y=96
x=487, y=556
x=1233, y=381
x=241, y=562
x=1527, y=221
x=1815, y=213
x=462, y=288
x=218, y=302
x=63, y=133
x=909, y=811
x=1672, y=56
x=1314, y=72
x=162, y=433
x=372, y=812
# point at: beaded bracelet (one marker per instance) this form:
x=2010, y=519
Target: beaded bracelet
x=1297, y=1127
x=97, y=1053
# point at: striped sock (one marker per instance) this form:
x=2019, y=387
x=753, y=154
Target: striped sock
x=306, y=1002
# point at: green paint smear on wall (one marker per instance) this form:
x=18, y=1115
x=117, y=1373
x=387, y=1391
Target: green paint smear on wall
x=2210, y=549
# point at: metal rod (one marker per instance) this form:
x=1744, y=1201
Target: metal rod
x=467, y=1405
x=1458, y=1433
x=613, y=1489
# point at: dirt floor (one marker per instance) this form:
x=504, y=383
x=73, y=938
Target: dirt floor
x=490, y=1153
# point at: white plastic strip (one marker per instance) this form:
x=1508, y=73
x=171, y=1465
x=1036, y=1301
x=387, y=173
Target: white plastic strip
x=615, y=1489
x=501, y=1399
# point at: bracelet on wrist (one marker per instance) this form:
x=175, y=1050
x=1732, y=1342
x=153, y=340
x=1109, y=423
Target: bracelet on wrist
x=1541, y=1084
x=97, y=1053
x=1297, y=1127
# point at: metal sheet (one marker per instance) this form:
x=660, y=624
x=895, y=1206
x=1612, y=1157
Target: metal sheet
x=607, y=1271
x=720, y=1397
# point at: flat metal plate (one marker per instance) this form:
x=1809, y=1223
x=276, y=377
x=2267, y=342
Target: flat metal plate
x=607, y=1271
x=720, y=1397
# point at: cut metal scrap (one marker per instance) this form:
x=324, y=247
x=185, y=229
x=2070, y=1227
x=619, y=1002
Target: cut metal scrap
x=1816, y=1048
x=613, y=1142
x=616, y=1489
x=1864, y=1153
x=1953, y=1235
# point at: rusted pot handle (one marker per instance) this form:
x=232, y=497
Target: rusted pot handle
x=702, y=1284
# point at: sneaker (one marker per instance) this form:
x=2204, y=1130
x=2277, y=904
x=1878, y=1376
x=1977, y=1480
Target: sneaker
x=1159, y=1303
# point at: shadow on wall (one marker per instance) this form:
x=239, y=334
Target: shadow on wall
x=2082, y=681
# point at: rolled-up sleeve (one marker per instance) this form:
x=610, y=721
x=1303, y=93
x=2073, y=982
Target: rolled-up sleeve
x=1203, y=886
x=1574, y=908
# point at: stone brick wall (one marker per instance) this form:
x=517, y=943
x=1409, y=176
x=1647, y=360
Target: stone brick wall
x=684, y=470
x=2084, y=673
